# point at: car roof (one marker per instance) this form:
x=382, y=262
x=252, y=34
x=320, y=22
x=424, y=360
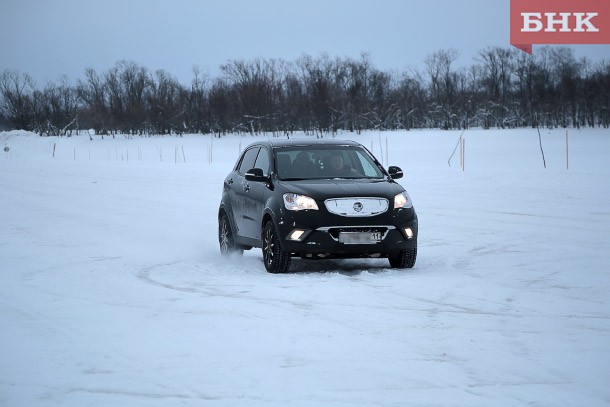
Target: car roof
x=305, y=142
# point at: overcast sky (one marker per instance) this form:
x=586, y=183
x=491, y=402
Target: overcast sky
x=51, y=38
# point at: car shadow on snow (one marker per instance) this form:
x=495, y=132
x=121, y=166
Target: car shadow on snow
x=349, y=267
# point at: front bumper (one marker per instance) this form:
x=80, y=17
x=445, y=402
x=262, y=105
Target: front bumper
x=393, y=230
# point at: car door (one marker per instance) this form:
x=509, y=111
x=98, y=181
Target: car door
x=255, y=197
x=240, y=189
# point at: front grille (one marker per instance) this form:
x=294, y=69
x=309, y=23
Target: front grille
x=357, y=207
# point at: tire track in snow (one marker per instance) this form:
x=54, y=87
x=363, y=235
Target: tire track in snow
x=74, y=339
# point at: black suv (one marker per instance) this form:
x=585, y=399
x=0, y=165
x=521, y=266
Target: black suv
x=316, y=199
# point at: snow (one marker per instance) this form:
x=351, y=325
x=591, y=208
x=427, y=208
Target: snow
x=113, y=291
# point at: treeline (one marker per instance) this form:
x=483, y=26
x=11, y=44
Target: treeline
x=502, y=88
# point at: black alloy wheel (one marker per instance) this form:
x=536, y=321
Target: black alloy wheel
x=225, y=238
x=276, y=260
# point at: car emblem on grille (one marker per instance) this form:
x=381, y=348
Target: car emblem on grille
x=357, y=206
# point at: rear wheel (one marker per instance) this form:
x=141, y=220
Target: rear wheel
x=403, y=259
x=276, y=260
x=225, y=238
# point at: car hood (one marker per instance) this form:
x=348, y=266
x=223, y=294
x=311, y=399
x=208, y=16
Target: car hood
x=322, y=189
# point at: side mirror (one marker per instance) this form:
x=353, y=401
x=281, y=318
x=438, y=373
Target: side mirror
x=395, y=172
x=256, y=175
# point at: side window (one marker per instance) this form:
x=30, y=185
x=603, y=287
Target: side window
x=247, y=162
x=262, y=161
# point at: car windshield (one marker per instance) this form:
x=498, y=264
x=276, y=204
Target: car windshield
x=325, y=162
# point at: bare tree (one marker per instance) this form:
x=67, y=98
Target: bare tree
x=503, y=88
x=18, y=104
x=168, y=104
x=57, y=109
x=199, y=121
x=442, y=87
x=94, y=94
x=254, y=83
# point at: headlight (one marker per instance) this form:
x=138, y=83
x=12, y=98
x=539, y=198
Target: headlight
x=402, y=200
x=296, y=202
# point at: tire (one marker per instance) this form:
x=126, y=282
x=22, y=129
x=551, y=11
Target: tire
x=276, y=260
x=404, y=259
x=225, y=238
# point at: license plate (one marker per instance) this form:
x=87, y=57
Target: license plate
x=359, y=237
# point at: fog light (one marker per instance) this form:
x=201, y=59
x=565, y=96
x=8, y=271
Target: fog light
x=409, y=233
x=296, y=234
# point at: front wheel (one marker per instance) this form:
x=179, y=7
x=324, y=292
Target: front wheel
x=403, y=259
x=276, y=260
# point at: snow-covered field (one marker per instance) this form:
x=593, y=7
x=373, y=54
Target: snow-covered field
x=113, y=291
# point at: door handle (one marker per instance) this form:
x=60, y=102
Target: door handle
x=247, y=188
x=230, y=181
